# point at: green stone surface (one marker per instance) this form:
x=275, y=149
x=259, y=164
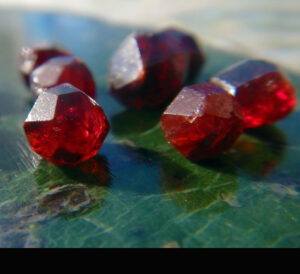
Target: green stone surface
x=139, y=191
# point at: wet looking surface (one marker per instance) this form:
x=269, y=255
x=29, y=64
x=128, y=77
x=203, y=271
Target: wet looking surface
x=138, y=191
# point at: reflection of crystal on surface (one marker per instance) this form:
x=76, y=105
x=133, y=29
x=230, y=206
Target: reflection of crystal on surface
x=196, y=188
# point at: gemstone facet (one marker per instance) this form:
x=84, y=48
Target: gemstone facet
x=148, y=70
x=186, y=44
x=65, y=126
x=262, y=90
x=59, y=70
x=202, y=121
x=32, y=57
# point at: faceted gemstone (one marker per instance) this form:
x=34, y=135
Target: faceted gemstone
x=187, y=44
x=148, y=70
x=264, y=93
x=202, y=121
x=32, y=57
x=59, y=70
x=65, y=126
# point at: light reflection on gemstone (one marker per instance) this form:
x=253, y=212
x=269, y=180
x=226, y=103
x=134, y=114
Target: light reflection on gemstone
x=63, y=69
x=32, y=57
x=148, y=70
x=126, y=65
x=264, y=93
x=202, y=121
x=65, y=126
x=46, y=110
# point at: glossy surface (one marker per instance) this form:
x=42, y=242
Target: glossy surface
x=264, y=93
x=32, y=57
x=148, y=70
x=202, y=121
x=59, y=70
x=65, y=126
x=139, y=191
x=188, y=45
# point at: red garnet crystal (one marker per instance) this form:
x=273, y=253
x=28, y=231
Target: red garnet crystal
x=59, y=70
x=263, y=92
x=32, y=57
x=65, y=126
x=148, y=70
x=186, y=44
x=202, y=121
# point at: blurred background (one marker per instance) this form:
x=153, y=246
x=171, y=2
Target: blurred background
x=262, y=28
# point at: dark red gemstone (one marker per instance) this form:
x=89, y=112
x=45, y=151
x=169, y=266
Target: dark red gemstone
x=148, y=70
x=32, y=57
x=264, y=93
x=59, y=70
x=202, y=121
x=188, y=45
x=65, y=126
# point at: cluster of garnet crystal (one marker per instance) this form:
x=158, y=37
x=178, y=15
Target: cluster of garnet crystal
x=65, y=125
x=204, y=120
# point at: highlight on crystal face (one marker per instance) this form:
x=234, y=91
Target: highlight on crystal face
x=148, y=69
x=33, y=56
x=65, y=126
x=264, y=93
x=202, y=121
x=63, y=69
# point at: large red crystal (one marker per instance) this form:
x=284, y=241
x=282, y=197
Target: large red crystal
x=264, y=93
x=32, y=57
x=148, y=70
x=202, y=121
x=186, y=44
x=59, y=70
x=65, y=126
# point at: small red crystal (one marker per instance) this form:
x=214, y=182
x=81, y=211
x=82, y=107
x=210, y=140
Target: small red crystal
x=65, y=126
x=59, y=70
x=148, y=70
x=202, y=121
x=264, y=93
x=32, y=57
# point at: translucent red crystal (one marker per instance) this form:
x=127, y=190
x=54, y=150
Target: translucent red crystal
x=186, y=44
x=59, y=70
x=148, y=70
x=32, y=57
x=264, y=93
x=65, y=126
x=202, y=121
